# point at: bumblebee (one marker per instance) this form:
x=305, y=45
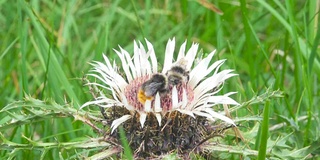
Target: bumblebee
x=161, y=83
x=157, y=83
x=178, y=73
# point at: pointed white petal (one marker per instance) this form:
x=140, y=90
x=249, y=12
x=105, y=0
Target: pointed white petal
x=157, y=103
x=124, y=99
x=103, y=102
x=119, y=81
x=168, y=55
x=115, y=93
x=203, y=114
x=143, y=117
x=104, y=78
x=217, y=67
x=221, y=100
x=136, y=59
x=174, y=97
x=219, y=116
x=122, y=83
x=191, y=54
x=124, y=65
x=144, y=62
x=184, y=99
x=129, y=60
x=230, y=93
x=211, y=82
x=182, y=51
x=216, y=90
x=107, y=61
x=147, y=106
x=153, y=57
x=200, y=70
x=119, y=121
x=158, y=116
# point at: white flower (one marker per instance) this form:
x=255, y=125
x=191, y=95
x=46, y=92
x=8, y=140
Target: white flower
x=195, y=98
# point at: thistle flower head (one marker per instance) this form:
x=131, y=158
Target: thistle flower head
x=182, y=90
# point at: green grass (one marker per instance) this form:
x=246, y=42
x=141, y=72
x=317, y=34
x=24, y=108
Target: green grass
x=46, y=46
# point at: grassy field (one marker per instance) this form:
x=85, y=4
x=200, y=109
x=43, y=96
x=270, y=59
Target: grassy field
x=46, y=47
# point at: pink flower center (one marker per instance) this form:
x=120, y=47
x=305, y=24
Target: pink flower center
x=131, y=93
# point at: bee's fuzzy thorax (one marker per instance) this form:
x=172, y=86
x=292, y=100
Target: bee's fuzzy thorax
x=178, y=69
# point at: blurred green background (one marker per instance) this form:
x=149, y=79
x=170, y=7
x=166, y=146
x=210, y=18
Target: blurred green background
x=45, y=48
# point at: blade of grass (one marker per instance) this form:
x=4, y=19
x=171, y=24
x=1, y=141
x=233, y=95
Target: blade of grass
x=8, y=48
x=264, y=132
x=277, y=15
x=313, y=55
x=104, y=31
x=23, y=34
x=296, y=56
x=247, y=31
x=57, y=74
x=125, y=144
x=137, y=16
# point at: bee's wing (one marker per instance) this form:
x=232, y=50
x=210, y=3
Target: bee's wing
x=152, y=88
